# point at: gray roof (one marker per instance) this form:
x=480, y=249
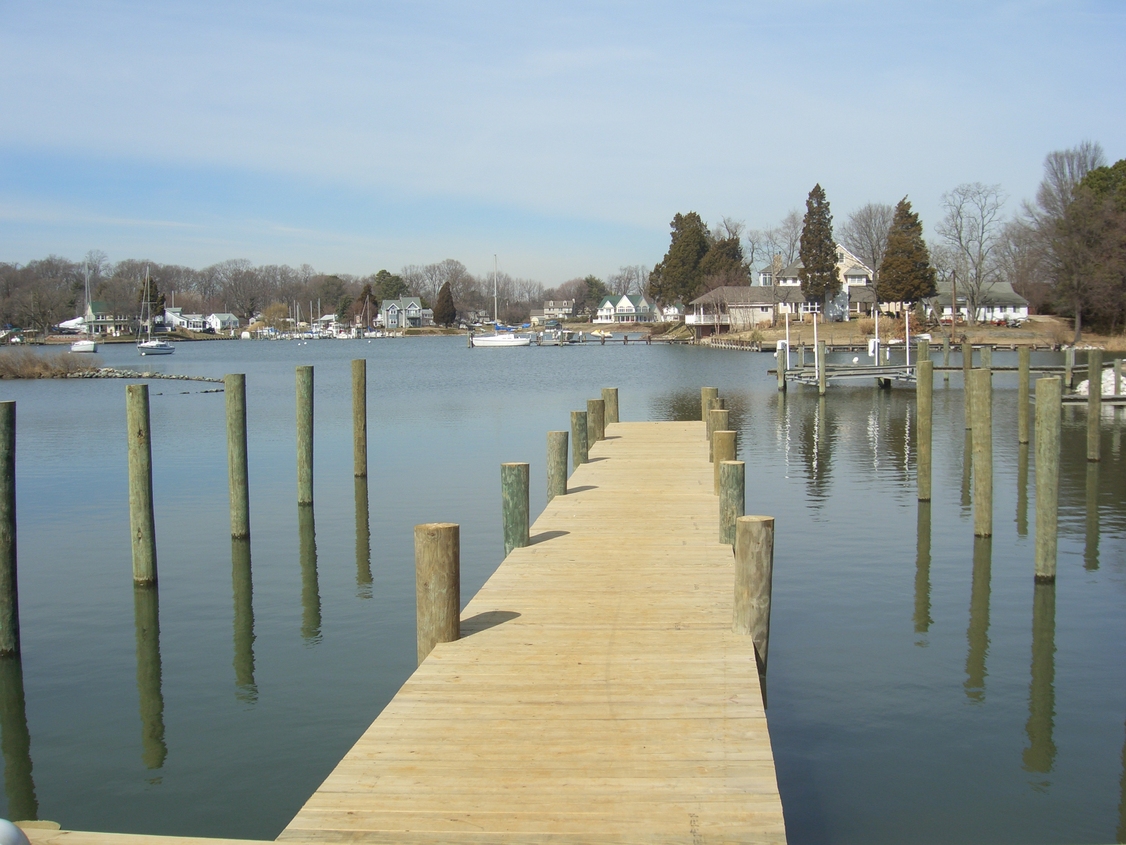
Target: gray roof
x=750, y=295
x=997, y=294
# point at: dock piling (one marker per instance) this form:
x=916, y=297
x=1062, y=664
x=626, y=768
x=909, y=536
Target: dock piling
x=1069, y=368
x=717, y=421
x=595, y=421
x=556, y=464
x=579, y=443
x=1048, y=412
x=821, y=376
x=234, y=388
x=1094, y=401
x=780, y=355
x=732, y=498
x=437, y=580
x=967, y=363
x=706, y=395
x=141, y=521
x=610, y=398
x=1024, y=365
x=360, y=417
x=514, y=498
x=723, y=446
x=945, y=359
x=924, y=403
x=9, y=592
x=982, y=381
x=754, y=572
x=305, y=435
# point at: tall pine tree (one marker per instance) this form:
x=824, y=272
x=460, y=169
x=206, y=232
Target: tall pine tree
x=906, y=274
x=444, y=311
x=820, y=279
x=678, y=276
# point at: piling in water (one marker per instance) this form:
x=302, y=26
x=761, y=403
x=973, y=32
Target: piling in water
x=924, y=393
x=924, y=352
x=1069, y=368
x=945, y=360
x=706, y=395
x=19, y=786
x=305, y=435
x=363, y=540
x=234, y=388
x=1117, y=376
x=242, y=583
x=821, y=376
x=146, y=616
x=1040, y=755
x=310, y=579
x=732, y=498
x=723, y=445
x=9, y=592
x=1048, y=395
x=1024, y=366
x=141, y=522
x=780, y=366
x=983, y=452
x=595, y=421
x=437, y=579
x=754, y=572
x=1094, y=401
x=922, y=614
x=514, y=502
x=717, y=421
x=360, y=417
x=610, y=398
x=579, y=446
x=987, y=356
x=556, y=464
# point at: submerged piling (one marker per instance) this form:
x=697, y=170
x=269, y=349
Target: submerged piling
x=360, y=417
x=754, y=573
x=983, y=452
x=141, y=521
x=924, y=393
x=610, y=398
x=1048, y=413
x=732, y=498
x=514, y=499
x=437, y=579
x=234, y=388
x=556, y=464
x=9, y=592
x=579, y=445
x=305, y=435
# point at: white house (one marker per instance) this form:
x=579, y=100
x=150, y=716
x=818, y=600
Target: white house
x=177, y=319
x=222, y=322
x=996, y=303
x=856, y=278
x=626, y=308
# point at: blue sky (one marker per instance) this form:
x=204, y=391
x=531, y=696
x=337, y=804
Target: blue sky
x=562, y=137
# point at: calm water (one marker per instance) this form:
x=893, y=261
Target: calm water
x=920, y=689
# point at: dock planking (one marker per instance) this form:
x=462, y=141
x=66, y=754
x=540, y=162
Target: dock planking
x=597, y=693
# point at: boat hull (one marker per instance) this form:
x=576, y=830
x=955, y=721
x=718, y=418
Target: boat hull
x=84, y=346
x=500, y=340
x=155, y=347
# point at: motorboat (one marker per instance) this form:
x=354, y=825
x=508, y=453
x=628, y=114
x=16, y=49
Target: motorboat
x=504, y=339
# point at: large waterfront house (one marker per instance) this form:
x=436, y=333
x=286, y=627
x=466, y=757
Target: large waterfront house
x=222, y=322
x=404, y=313
x=627, y=308
x=997, y=302
x=103, y=320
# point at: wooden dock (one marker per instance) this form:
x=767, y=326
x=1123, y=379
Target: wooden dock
x=597, y=694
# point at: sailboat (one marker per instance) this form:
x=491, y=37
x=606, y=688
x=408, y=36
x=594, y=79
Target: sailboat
x=496, y=338
x=150, y=346
x=87, y=344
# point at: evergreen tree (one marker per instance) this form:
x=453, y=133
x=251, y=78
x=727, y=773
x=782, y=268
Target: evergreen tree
x=154, y=306
x=906, y=274
x=445, y=314
x=723, y=264
x=678, y=275
x=820, y=279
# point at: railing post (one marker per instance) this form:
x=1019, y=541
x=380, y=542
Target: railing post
x=754, y=572
x=732, y=498
x=556, y=464
x=514, y=499
x=234, y=386
x=437, y=579
x=1048, y=394
x=141, y=521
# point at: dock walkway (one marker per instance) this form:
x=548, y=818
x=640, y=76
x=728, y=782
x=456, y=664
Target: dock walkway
x=597, y=693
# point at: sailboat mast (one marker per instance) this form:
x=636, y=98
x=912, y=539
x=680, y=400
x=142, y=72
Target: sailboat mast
x=496, y=313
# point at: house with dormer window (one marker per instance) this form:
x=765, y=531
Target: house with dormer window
x=627, y=308
x=405, y=313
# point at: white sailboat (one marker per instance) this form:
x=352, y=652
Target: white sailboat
x=87, y=344
x=498, y=339
x=150, y=346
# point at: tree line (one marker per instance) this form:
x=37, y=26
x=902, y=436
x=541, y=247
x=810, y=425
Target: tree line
x=1064, y=251
x=45, y=292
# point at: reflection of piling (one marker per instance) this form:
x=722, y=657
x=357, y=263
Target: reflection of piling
x=141, y=520
x=1091, y=536
x=146, y=615
x=922, y=616
x=924, y=393
x=15, y=741
x=610, y=398
x=305, y=435
x=556, y=464
x=243, y=588
x=1094, y=401
x=983, y=452
x=1024, y=364
x=9, y=591
x=514, y=500
x=732, y=498
x=363, y=540
x=1122, y=800
x=1022, y=490
x=234, y=388
x=977, y=634
x=723, y=444
x=754, y=573
x=706, y=395
x=1041, y=752
x=360, y=417
x=310, y=584
x=437, y=572
x=1048, y=393
x=967, y=466
x=579, y=445
x=595, y=421
x=718, y=420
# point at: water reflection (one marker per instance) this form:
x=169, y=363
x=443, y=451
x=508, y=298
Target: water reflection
x=146, y=616
x=1091, y=545
x=1022, y=490
x=1122, y=799
x=678, y=405
x=967, y=468
x=1041, y=752
x=310, y=588
x=245, y=688
x=15, y=741
x=363, y=540
x=977, y=634
x=815, y=444
x=923, y=573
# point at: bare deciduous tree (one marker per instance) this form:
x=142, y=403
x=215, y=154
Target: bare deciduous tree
x=627, y=280
x=971, y=229
x=865, y=233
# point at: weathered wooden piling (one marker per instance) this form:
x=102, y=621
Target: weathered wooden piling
x=987, y=356
x=924, y=395
x=967, y=362
x=238, y=474
x=732, y=498
x=579, y=443
x=706, y=395
x=19, y=786
x=780, y=366
x=821, y=375
x=924, y=351
x=595, y=421
x=141, y=521
x=514, y=505
x=945, y=359
x=363, y=540
x=1069, y=368
x=717, y=421
x=922, y=614
x=437, y=580
x=754, y=572
x=983, y=452
x=360, y=417
x=1048, y=412
x=723, y=446
x=556, y=464
x=242, y=584
x=1094, y=401
x=610, y=398
x=1040, y=754
x=1117, y=376
x=1024, y=368
x=310, y=577
x=305, y=435
x=9, y=591
x=146, y=618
